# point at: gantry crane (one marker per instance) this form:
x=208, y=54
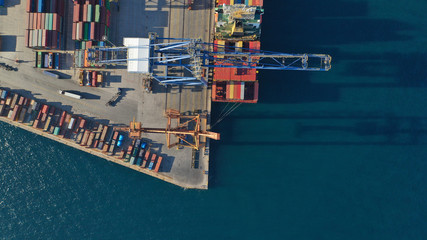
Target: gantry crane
x=195, y=56
x=187, y=130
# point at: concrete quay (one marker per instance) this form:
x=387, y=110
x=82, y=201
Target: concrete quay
x=136, y=18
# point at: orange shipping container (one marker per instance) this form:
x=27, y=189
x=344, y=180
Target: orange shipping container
x=159, y=161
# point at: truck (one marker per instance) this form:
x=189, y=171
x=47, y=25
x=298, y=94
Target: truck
x=69, y=94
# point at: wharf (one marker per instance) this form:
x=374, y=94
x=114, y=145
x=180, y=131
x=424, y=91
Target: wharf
x=136, y=18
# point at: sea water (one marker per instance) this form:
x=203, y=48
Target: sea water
x=323, y=155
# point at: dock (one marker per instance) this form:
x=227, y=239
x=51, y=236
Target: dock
x=135, y=18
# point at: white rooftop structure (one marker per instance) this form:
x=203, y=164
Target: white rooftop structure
x=138, y=54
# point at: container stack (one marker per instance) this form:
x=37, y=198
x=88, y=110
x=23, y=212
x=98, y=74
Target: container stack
x=236, y=84
x=91, y=21
x=44, y=24
x=77, y=130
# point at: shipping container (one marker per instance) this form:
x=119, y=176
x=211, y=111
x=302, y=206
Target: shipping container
x=97, y=13
x=89, y=13
x=47, y=124
x=90, y=141
x=159, y=162
x=14, y=100
x=104, y=133
x=71, y=124
x=105, y=147
x=56, y=131
x=153, y=159
x=146, y=159
x=85, y=8
x=85, y=138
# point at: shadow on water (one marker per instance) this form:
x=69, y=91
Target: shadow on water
x=323, y=25
x=320, y=26
x=323, y=129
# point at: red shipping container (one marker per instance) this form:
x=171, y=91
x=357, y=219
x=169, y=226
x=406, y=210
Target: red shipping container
x=34, y=22
x=85, y=12
x=39, y=21
x=92, y=31
x=81, y=30
x=55, y=21
x=76, y=12
x=237, y=90
x=73, y=36
x=258, y=3
x=43, y=23
x=108, y=18
x=226, y=2
x=29, y=5
x=88, y=44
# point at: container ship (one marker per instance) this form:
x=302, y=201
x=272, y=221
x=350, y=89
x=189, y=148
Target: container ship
x=237, y=28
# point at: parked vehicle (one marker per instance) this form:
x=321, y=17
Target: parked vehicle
x=94, y=78
x=50, y=60
x=88, y=78
x=68, y=94
x=120, y=141
x=81, y=77
x=56, y=57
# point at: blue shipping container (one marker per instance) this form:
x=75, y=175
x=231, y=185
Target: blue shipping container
x=40, y=6
x=1, y=3
x=4, y=94
x=57, y=61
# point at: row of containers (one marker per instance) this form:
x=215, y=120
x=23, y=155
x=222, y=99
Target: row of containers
x=236, y=84
x=46, y=6
x=87, y=133
x=44, y=21
x=91, y=21
x=246, y=2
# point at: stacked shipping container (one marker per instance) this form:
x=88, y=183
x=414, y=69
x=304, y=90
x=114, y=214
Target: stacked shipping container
x=246, y=2
x=91, y=21
x=235, y=84
x=44, y=24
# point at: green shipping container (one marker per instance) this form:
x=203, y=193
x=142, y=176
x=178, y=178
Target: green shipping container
x=39, y=59
x=56, y=131
x=46, y=21
x=50, y=21
x=97, y=13
x=86, y=31
x=107, y=4
x=83, y=46
x=89, y=13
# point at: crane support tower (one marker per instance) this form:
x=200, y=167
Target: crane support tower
x=181, y=130
x=143, y=55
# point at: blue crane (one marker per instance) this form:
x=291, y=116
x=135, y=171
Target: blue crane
x=196, y=56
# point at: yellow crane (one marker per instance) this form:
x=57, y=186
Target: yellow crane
x=187, y=130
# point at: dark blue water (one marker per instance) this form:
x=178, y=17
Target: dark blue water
x=335, y=155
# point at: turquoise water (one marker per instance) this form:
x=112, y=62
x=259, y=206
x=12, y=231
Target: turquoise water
x=335, y=155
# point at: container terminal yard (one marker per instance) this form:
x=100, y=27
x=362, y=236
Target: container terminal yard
x=133, y=81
